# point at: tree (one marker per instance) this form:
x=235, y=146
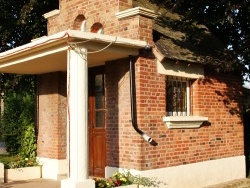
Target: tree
x=19, y=23
x=22, y=21
x=17, y=123
x=229, y=20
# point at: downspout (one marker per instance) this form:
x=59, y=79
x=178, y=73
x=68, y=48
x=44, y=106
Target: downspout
x=133, y=105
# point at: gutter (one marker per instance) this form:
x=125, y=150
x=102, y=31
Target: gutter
x=133, y=105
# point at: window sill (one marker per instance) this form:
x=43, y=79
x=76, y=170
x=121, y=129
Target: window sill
x=177, y=122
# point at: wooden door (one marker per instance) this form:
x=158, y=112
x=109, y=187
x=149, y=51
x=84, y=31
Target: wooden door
x=97, y=131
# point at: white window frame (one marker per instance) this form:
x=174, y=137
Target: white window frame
x=171, y=68
x=183, y=120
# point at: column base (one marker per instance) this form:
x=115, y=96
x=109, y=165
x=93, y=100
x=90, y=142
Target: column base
x=69, y=183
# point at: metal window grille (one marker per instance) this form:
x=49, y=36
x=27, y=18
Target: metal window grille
x=177, y=97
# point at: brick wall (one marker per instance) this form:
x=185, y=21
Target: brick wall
x=214, y=97
x=52, y=115
x=94, y=11
x=70, y=17
x=120, y=133
x=73, y=12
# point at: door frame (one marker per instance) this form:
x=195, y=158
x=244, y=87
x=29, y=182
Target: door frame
x=96, y=132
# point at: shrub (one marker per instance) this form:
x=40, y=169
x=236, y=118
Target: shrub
x=11, y=123
x=126, y=178
x=28, y=148
x=18, y=120
x=21, y=163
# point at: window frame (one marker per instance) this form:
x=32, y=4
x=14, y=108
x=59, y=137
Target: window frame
x=176, y=121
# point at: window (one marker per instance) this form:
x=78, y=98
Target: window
x=177, y=97
x=97, y=28
x=178, y=105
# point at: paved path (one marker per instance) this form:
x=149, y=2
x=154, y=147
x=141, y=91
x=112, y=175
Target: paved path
x=44, y=183
x=238, y=183
x=37, y=183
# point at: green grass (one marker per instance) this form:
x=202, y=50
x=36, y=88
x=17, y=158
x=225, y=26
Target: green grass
x=6, y=158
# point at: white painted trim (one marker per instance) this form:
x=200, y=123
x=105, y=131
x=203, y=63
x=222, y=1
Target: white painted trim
x=20, y=174
x=38, y=56
x=78, y=114
x=170, y=68
x=106, y=39
x=45, y=52
x=51, y=13
x=69, y=35
x=194, y=175
x=1, y=173
x=188, y=98
x=175, y=122
x=53, y=168
x=136, y=11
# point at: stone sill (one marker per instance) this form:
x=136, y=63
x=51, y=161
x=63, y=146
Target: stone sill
x=51, y=13
x=19, y=174
x=178, y=122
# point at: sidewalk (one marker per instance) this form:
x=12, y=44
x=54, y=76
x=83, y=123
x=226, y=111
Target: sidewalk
x=45, y=183
x=37, y=183
x=238, y=183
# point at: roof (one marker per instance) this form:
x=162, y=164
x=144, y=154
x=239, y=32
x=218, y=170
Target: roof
x=178, y=40
x=49, y=54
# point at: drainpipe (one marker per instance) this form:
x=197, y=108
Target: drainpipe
x=133, y=105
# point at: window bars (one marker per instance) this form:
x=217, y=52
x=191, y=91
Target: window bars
x=177, y=97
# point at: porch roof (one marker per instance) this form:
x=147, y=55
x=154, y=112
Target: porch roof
x=49, y=54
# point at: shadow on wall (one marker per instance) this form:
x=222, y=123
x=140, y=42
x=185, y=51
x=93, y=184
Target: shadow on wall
x=118, y=104
x=228, y=90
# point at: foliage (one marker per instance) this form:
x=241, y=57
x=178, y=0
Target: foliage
x=17, y=123
x=126, y=178
x=229, y=20
x=24, y=21
x=22, y=162
x=28, y=148
x=14, y=83
x=17, y=161
x=10, y=124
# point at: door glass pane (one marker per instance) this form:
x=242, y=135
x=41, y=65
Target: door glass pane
x=98, y=91
x=99, y=119
x=98, y=101
x=98, y=83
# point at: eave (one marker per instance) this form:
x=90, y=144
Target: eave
x=49, y=54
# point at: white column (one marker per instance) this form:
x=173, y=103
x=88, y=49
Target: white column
x=78, y=121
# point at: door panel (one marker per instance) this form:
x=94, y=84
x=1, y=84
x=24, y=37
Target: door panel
x=97, y=131
x=99, y=154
